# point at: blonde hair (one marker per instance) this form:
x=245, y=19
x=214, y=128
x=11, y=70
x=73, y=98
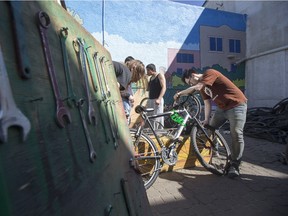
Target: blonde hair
x=137, y=69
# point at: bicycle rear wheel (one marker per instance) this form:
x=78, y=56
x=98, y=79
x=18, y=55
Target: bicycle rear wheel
x=214, y=159
x=192, y=104
x=146, y=158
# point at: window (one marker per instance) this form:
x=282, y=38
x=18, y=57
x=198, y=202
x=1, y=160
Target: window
x=216, y=44
x=185, y=58
x=233, y=68
x=234, y=46
x=179, y=71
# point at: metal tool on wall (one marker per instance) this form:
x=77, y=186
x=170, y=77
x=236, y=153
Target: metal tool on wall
x=103, y=95
x=91, y=68
x=108, y=93
x=71, y=97
x=61, y=111
x=109, y=103
x=19, y=33
x=99, y=78
x=79, y=48
x=112, y=102
x=92, y=152
x=10, y=115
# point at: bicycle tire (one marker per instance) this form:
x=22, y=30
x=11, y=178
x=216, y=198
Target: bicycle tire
x=214, y=160
x=146, y=158
x=192, y=105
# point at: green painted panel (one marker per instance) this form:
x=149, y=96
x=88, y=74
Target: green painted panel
x=50, y=172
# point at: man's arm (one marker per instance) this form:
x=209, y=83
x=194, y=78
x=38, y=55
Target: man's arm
x=189, y=90
x=207, y=111
x=163, y=86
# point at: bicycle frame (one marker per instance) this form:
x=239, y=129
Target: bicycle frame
x=178, y=131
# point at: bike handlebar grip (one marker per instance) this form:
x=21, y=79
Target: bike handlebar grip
x=139, y=109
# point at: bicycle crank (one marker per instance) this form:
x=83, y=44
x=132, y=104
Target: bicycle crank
x=169, y=155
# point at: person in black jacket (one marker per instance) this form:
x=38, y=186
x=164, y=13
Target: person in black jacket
x=132, y=71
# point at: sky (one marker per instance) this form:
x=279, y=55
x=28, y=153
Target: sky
x=197, y=2
x=123, y=36
x=146, y=29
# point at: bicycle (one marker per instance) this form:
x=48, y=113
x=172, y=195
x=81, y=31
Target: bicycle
x=210, y=147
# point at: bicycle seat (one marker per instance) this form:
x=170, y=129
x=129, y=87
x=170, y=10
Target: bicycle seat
x=139, y=109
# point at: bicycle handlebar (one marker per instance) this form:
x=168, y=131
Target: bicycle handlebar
x=140, y=108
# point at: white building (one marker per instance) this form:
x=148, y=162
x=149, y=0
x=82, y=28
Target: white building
x=266, y=56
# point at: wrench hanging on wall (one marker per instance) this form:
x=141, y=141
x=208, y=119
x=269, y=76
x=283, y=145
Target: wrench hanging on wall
x=71, y=99
x=10, y=115
x=19, y=39
x=109, y=103
x=103, y=95
x=91, y=69
x=92, y=152
x=79, y=48
x=108, y=93
x=61, y=111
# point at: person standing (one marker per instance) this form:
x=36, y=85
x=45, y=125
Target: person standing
x=132, y=71
x=231, y=105
x=157, y=89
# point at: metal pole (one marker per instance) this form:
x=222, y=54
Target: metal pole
x=103, y=22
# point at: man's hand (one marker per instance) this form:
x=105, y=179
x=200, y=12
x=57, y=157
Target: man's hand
x=176, y=96
x=131, y=100
x=157, y=101
x=205, y=122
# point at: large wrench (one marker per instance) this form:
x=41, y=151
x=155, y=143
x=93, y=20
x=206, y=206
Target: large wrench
x=61, y=111
x=99, y=78
x=91, y=69
x=10, y=115
x=19, y=39
x=79, y=48
x=71, y=100
x=92, y=153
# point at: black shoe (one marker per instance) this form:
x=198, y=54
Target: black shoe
x=233, y=172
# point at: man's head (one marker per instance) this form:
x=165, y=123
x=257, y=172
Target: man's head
x=128, y=58
x=151, y=69
x=188, y=77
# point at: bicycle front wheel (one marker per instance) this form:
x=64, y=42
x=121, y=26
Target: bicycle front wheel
x=146, y=158
x=214, y=157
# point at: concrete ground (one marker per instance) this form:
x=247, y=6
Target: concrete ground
x=261, y=190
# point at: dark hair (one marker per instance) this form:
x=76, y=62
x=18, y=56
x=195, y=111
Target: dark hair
x=187, y=74
x=128, y=58
x=151, y=67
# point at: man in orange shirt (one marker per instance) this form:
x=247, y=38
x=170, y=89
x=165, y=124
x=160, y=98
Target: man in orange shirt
x=231, y=105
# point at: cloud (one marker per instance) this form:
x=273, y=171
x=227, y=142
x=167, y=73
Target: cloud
x=148, y=52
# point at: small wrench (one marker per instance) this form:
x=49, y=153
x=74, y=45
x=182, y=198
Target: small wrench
x=63, y=34
x=79, y=48
x=92, y=152
x=61, y=111
x=110, y=123
x=19, y=38
x=10, y=115
x=104, y=74
x=95, y=58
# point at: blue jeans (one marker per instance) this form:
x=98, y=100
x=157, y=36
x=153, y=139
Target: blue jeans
x=127, y=107
x=237, y=118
